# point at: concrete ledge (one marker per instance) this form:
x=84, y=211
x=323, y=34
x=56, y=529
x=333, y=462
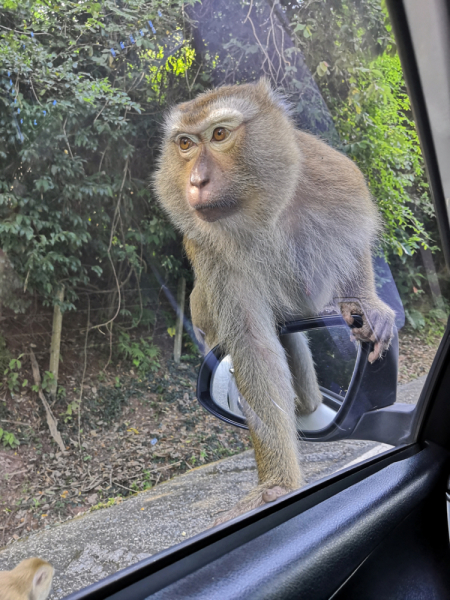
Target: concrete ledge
x=96, y=544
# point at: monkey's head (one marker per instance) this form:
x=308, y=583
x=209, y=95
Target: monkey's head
x=228, y=157
x=30, y=580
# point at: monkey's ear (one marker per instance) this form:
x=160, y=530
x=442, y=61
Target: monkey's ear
x=42, y=579
x=264, y=86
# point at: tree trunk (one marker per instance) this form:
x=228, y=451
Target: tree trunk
x=56, y=344
x=432, y=277
x=181, y=296
x=2, y=278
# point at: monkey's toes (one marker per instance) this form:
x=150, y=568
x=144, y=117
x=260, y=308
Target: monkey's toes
x=271, y=494
x=259, y=496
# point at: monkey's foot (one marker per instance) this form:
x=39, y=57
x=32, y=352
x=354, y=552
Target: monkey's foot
x=258, y=496
x=377, y=327
x=309, y=403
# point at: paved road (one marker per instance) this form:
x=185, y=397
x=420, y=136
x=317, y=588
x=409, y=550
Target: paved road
x=90, y=547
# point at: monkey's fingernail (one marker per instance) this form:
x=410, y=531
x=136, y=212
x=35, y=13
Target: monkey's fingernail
x=372, y=357
x=269, y=496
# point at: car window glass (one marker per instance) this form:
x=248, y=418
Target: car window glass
x=106, y=318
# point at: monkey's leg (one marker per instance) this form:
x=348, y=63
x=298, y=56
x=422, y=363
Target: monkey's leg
x=304, y=378
x=264, y=380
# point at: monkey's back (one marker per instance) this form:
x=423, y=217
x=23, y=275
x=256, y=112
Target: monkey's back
x=331, y=176
x=332, y=220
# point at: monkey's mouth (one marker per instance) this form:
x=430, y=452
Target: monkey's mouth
x=213, y=211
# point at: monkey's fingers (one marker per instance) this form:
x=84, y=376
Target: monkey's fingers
x=364, y=333
x=383, y=331
x=347, y=313
x=380, y=335
x=377, y=326
x=383, y=335
x=378, y=351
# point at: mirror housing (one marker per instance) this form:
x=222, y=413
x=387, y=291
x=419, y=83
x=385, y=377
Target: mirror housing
x=359, y=415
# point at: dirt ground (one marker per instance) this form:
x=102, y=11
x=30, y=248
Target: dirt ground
x=416, y=353
x=134, y=433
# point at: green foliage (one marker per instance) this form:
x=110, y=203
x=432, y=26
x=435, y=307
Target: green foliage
x=147, y=481
x=141, y=352
x=71, y=410
x=45, y=384
x=5, y=355
x=12, y=373
x=191, y=349
x=415, y=318
x=8, y=439
x=75, y=205
x=378, y=132
x=429, y=324
x=110, y=502
x=47, y=380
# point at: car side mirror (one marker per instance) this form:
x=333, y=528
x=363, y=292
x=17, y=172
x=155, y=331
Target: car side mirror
x=358, y=396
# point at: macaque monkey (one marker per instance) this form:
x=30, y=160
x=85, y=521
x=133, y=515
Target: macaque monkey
x=30, y=580
x=277, y=225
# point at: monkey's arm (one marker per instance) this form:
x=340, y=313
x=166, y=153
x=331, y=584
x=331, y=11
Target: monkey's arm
x=246, y=329
x=204, y=329
x=359, y=297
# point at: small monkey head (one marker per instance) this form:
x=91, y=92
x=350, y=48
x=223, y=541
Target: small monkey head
x=228, y=157
x=30, y=580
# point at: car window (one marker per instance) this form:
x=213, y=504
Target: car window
x=234, y=189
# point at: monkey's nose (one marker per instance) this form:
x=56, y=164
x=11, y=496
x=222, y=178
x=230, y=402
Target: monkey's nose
x=199, y=180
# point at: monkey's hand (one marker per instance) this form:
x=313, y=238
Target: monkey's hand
x=377, y=327
x=258, y=496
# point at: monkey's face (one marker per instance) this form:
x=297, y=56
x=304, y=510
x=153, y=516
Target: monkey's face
x=218, y=162
x=211, y=175
x=209, y=157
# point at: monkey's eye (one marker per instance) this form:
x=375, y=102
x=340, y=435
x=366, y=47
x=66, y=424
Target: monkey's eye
x=185, y=143
x=219, y=134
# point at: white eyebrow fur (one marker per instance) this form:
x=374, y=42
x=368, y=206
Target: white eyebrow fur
x=219, y=115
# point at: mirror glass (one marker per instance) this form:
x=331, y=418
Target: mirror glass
x=335, y=357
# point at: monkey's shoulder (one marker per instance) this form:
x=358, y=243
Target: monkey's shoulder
x=318, y=151
x=325, y=166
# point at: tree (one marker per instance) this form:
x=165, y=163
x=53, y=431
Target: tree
x=79, y=117
x=84, y=86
